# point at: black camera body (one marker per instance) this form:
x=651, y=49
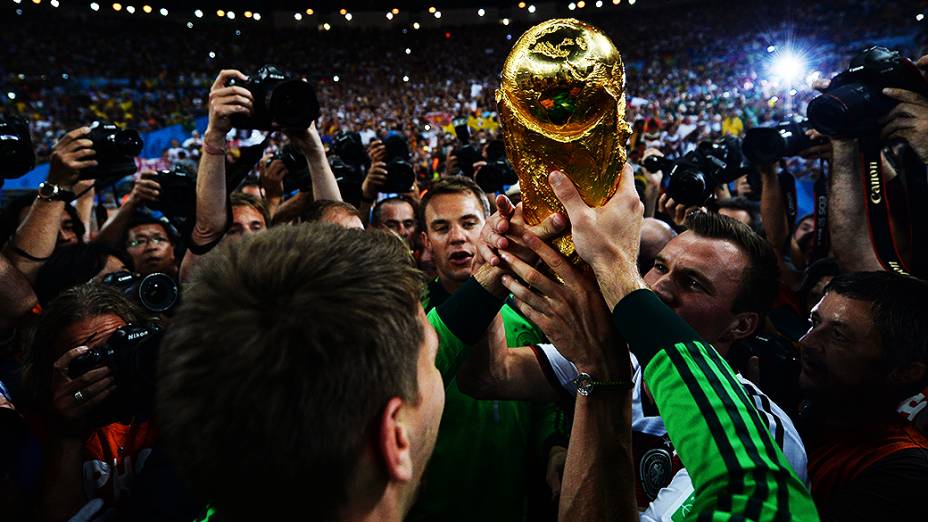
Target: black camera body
x=779, y=365
x=349, y=163
x=467, y=153
x=497, y=172
x=297, y=177
x=16, y=154
x=131, y=354
x=279, y=98
x=692, y=179
x=766, y=145
x=157, y=293
x=178, y=194
x=116, y=150
x=400, y=174
x=854, y=103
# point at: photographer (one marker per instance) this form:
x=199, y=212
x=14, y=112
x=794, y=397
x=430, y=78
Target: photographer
x=82, y=460
x=213, y=209
x=909, y=119
x=38, y=234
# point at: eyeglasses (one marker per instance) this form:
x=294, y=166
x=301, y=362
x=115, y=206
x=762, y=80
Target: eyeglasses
x=155, y=240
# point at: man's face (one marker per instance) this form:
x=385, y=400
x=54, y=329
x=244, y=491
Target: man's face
x=246, y=220
x=453, y=223
x=841, y=352
x=91, y=331
x=426, y=415
x=699, y=278
x=806, y=226
x=67, y=235
x=151, y=249
x=399, y=217
x=342, y=218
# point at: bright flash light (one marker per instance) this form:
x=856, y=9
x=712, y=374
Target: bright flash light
x=335, y=78
x=788, y=67
x=405, y=78
x=919, y=17
x=481, y=12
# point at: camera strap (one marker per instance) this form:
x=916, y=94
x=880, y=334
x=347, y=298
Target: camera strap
x=877, y=205
x=788, y=188
x=820, y=215
x=913, y=176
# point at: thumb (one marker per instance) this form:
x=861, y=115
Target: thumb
x=505, y=207
x=551, y=227
x=567, y=193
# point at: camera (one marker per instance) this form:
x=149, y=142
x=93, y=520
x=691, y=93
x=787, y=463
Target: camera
x=691, y=179
x=278, y=98
x=116, y=150
x=178, y=196
x=497, y=172
x=854, y=103
x=297, y=177
x=16, y=154
x=765, y=145
x=400, y=175
x=348, y=162
x=468, y=153
x=157, y=293
x=131, y=354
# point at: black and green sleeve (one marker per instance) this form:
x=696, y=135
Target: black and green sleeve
x=737, y=469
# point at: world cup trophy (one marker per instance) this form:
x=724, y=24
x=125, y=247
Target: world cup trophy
x=561, y=102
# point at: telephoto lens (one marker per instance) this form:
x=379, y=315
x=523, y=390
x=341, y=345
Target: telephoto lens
x=279, y=98
x=765, y=145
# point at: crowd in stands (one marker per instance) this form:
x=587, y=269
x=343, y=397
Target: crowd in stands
x=283, y=324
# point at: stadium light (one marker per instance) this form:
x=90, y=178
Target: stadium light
x=788, y=67
x=130, y=9
x=247, y=14
x=197, y=13
x=212, y=54
x=348, y=16
x=481, y=12
x=599, y=3
x=437, y=14
x=631, y=2
x=389, y=15
x=405, y=78
x=256, y=17
x=919, y=17
x=117, y=7
x=505, y=21
x=326, y=26
x=220, y=13
x=395, y=11
x=36, y=2
x=342, y=11
x=94, y=6
x=335, y=78
x=408, y=50
x=616, y=2
x=521, y=5
x=310, y=12
x=571, y=6
x=531, y=8
x=54, y=3
x=163, y=11
x=189, y=25
x=432, y=10
x=17, y=2
x=297, y=16
x=581, y=4
x=415, y=25
x=146, y=9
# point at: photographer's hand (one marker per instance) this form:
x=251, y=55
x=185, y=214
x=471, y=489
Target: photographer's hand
x=144, y=190
x=675, y=211
x=908, y=120
x=73, y=152
x=377, y=173
x=310, y=144
x=223, y=103
x=73, y=399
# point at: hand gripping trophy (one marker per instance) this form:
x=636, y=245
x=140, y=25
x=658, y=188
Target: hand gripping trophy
x=562, y=105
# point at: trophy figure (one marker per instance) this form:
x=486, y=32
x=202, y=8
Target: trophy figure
x=561, y=102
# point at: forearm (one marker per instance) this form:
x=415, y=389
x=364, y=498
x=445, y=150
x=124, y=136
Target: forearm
x=16, y=295
x=513, y=375
x=114, y=230
x=61, y=481
x=211, y=191
x=773, y=210
x=84, y=206
x=599, y=475
x=292, y=208
x=847, y=218
x=324, y=184
x=37, y=236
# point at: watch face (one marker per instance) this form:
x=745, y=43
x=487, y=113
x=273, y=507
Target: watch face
x=584, y=384
x=47, y=190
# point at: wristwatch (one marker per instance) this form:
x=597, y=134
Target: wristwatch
x=586, y=384
x=52, y=192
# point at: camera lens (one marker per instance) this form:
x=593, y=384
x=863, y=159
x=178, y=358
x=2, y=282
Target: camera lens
x=158, y=292
x=764, y=145
x=128, y=142
x=687, y=185
x=847, y=110
x=293, y=104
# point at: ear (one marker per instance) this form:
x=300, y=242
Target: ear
x=744, y=325
x=394, y=443
x=904, y=377
x=425, y=240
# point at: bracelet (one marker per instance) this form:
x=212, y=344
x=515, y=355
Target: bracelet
x=213, y=151
x=22, y=253
x=586, y=384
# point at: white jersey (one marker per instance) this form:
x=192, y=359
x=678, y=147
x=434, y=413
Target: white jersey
x=674, y=495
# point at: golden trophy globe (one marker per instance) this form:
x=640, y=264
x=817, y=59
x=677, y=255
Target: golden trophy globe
x=561, y=102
